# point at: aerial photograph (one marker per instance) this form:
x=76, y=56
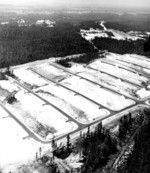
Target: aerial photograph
x=74, y=86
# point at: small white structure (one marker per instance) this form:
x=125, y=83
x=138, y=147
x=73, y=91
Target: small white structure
x=21, y=23
x=47, y=22
x=5, y=23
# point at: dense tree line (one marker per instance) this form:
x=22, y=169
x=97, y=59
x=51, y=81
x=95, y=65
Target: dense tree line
x=129, y=22
x=129, y=25
x=20, y=45
x=97, y=148
x=90, y=24
x=147, y=46
x=24, y=44
x=120, y=46
x=125, y=125
x=86, y=58
x=138, y=161
x=63, y=151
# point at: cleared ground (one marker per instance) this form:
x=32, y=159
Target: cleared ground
x=34, y=112
x=53, y=101
x=16, y=147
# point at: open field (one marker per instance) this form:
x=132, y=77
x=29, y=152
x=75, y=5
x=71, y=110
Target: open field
x=71, y=104
x=54, y=73
x=110, y=82
x=64, y=99
x=118, y=72
x=101, y=86
x=91, y=34
x=39, y=117
x=12, y=140
x=30, y=79
x=100, y=95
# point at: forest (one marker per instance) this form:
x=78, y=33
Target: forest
x=85, y=58
x=20, y=45
x=120, y=46
x=138, y=160
x=99, y=149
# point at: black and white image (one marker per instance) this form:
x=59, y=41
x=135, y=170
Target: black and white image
x=74, y=86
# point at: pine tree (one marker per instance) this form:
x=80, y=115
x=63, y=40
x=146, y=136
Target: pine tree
x=68, y=142
x=130, y=118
